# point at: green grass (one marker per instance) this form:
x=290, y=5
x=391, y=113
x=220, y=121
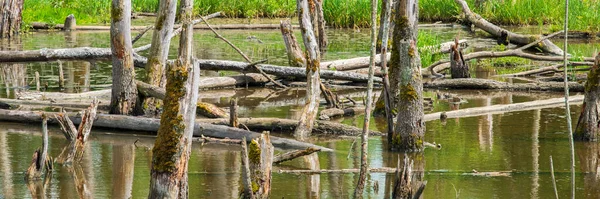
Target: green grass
x=584, y=14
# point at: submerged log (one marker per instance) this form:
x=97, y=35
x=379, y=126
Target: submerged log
x=473, y=83
x=151, y=125
x=503, y=108
x=293, y=154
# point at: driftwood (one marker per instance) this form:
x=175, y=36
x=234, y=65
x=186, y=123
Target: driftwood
x=336, y=112
x=210, y=110
x=504, y=35
x=282, y=71
x=473, y=83
x=544, y=70
x=503, y=108
x=41, y=163
x=151, y=125
x=288, y=125
x=205, y=139
x=293, y=154
x=233, y=117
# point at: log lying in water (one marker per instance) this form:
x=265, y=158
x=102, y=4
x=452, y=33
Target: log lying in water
x=151, y=125
x=336, y=112
x=503, y=108
x=282, y=71
x=292, y=155
x=78, y=105
x=288, y=125
x=504, y=35
x=473, y=83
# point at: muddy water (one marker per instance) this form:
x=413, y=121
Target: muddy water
x=518, y=143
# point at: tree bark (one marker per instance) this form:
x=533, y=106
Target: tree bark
x=10, y=18
x=309, y=112
x=159, y=51
x=124, y=97
x=293, y=154
x=172, y=148
x=294, y=51
x=590, y=115
x=406, y=86
x=41, y=163
x=458, y=66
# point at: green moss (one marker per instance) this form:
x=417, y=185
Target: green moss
x=160, y=20
x=116, y=12
x=402, y=22
x=167, y=146
x=592, y=80
x=254, y=152
x=255, y=187
x=408, y=93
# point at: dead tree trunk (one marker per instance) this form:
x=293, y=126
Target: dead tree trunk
x=408, y=184
x=41, y=163
x=590, y=115
x=318, y=22
x=406, y=87
x=309, y=112
x=10, y=18
x=294, y=51
x=458, y=66
x=124, y=93
x=77, y=136
x=260, y=161
x=172, y=148
x=159, y=51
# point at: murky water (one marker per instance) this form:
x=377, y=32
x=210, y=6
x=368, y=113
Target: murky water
x=518, y=143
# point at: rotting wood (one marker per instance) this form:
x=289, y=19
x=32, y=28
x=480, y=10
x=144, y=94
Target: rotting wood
x=10, y=18
x=504, y=108
x=473, y=83
x=406, y=185
x=480, y=22
x=41, y=163
x=590, y=114
x=70, y=23
x=329, y=113
x=294, y=51
x=233, y=117
x=73, y=152
x=458, y=67
x=290, y=155
x=260, y=154
x=247, y=188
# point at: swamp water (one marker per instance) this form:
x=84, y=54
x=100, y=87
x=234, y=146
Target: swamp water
x=516, y=144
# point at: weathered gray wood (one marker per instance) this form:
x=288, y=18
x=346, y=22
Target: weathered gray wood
x=406, y=86
x=480, y=22
x=70, y=23
x=172, y=149
x=247, y=192
x=313, y=80
x=473, y=83
x=329, y=113
x=10, y=17
x=159, y=51
x=42, y=162
x=294, y=51
x=505, y=108
x=290, y=155
x=124, y=97
x=124, y=122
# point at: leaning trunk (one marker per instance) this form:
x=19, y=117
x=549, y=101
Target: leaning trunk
x=172, y=148
x=313, y=91
x=10, y=17
x=124, y=93
x=405, y=69
x=161, y=39
x=590, y=114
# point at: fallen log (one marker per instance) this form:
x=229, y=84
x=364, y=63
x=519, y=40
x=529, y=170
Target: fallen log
x=336, y=112
x=503, y=108
x=282, y=71
x=78, y=105
x=554, y=69
x=288, y=125
x=293, y=154
x=151, y=125
x=504, y=35
x=473, y=83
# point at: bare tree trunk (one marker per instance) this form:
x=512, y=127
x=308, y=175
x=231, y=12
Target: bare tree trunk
x=172, y=148
x=590, y=115
x=124, y=93
x=319, y=25
x=159, y=51
x=294, y=51
x=42, y=162
x=313, y=91
x=405, y=66
x=10, y=18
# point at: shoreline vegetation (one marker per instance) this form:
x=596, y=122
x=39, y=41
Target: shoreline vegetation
x=584, y=15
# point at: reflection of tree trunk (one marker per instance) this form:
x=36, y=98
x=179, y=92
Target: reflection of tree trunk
x=13, y=75
x=81, y=183
x=122, y=170
x=312, y=162
x=589, y=156
x=7, y=174
x=10, y=18
x=535, y=153
x=485, y=130
x=335, y=182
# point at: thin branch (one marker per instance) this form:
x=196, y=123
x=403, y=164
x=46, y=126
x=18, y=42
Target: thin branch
x=141, y=34
x=553, y=179
x=567, y=107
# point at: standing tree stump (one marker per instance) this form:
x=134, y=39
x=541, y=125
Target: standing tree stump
x=458, y=66
x=70, y=23
x=41, y=162
x=257, y=162
x=590, y=115
x=77, y=136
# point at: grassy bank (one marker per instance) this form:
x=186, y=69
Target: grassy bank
x=584, y=14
